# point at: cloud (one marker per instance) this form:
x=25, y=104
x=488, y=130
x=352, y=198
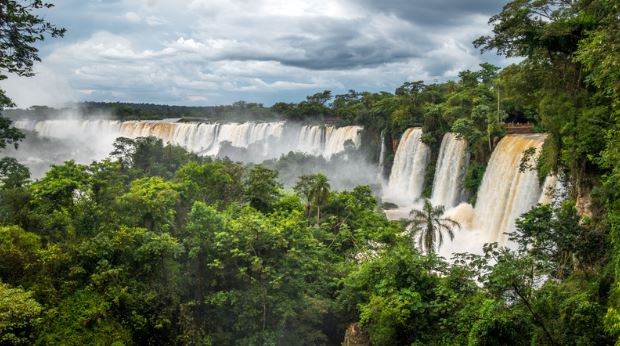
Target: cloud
x=46, y=88
x=212, y=52
x=132, y=17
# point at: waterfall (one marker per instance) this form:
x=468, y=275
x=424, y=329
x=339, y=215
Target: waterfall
x=327, y=140
x=266, y=139
x=382, y=156
x=450, y=172
x=311, y=139
x=548, y=190
x=336, y=138
x=505, y=192
x=406, y=180
x=63, y=128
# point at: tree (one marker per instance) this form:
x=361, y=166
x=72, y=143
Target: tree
x=429, y=224
x=12, y=173
x=261, y=188
x=212, y=183
x=303, y=188
x=20, y=316
x=559, y=239
x=320, y=194
x=20, y=30
x=404, y=298
x=150, y=203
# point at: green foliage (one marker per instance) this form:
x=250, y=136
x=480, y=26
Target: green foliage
x=8, y=134
x=19, y=254
x=20, y=316
x=402, y=299
x=473, y=179
x=558, y=237
x=314, y=190
x=261, y=188
x=148, y=156
x=498, y=325
x=84, y=318
x=12, y=173
x=150, y=203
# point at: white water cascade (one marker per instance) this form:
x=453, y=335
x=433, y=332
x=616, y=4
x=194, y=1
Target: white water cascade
x=504, y=195
x=506, y=192
x=407, y=177
x=63, y=128
x=206, y=138
x=382, y=156
x=336, y=139
x=450, y=172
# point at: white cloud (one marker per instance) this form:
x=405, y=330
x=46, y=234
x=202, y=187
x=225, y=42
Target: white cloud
x=219, y=51
x=132, y=17
x=46, y=88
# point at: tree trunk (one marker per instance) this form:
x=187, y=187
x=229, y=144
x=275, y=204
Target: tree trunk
x=534, y=315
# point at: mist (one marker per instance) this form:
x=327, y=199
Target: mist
x=291, y=148
x=62, y=137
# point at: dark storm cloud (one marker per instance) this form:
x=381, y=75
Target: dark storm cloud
x=435, y=13
x=342, y=45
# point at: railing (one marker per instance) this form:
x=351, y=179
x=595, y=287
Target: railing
x=519, y=128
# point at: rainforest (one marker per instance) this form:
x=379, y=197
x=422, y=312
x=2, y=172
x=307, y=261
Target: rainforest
x=479, y=210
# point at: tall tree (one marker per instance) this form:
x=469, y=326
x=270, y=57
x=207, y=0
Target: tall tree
x=262, y=188
x=320, y=194
x=20, y=30
x=303, y=188
x=430, y=224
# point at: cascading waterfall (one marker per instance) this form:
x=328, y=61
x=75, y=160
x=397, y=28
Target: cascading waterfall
x=336, y=139
x=63, y=128
x=506, y=192
x=207, y=138
x=504, y=195
x=382, y=156
x=549, y=189
x=450, y=172
x=311, y=139
x=406, y=180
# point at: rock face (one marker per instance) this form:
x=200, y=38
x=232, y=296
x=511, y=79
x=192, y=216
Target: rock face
x=583, y=204
x=356, y=336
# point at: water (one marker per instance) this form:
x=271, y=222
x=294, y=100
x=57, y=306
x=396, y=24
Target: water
x=450, y=172
x=504, y=194
x=267, y=139
x=406, y=181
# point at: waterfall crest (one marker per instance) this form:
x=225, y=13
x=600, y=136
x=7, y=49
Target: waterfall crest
x=406, y=180
x=505, y=192
x=267, y=139
x=450, y=172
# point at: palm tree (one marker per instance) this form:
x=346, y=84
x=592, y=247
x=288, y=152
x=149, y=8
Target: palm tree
x=320, y=194
x=304, y=187
x=430, y=224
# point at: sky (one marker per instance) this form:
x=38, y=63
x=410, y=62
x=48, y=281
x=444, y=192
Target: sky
x=212, y=52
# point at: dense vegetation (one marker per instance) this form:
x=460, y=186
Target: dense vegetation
x=160, y=246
